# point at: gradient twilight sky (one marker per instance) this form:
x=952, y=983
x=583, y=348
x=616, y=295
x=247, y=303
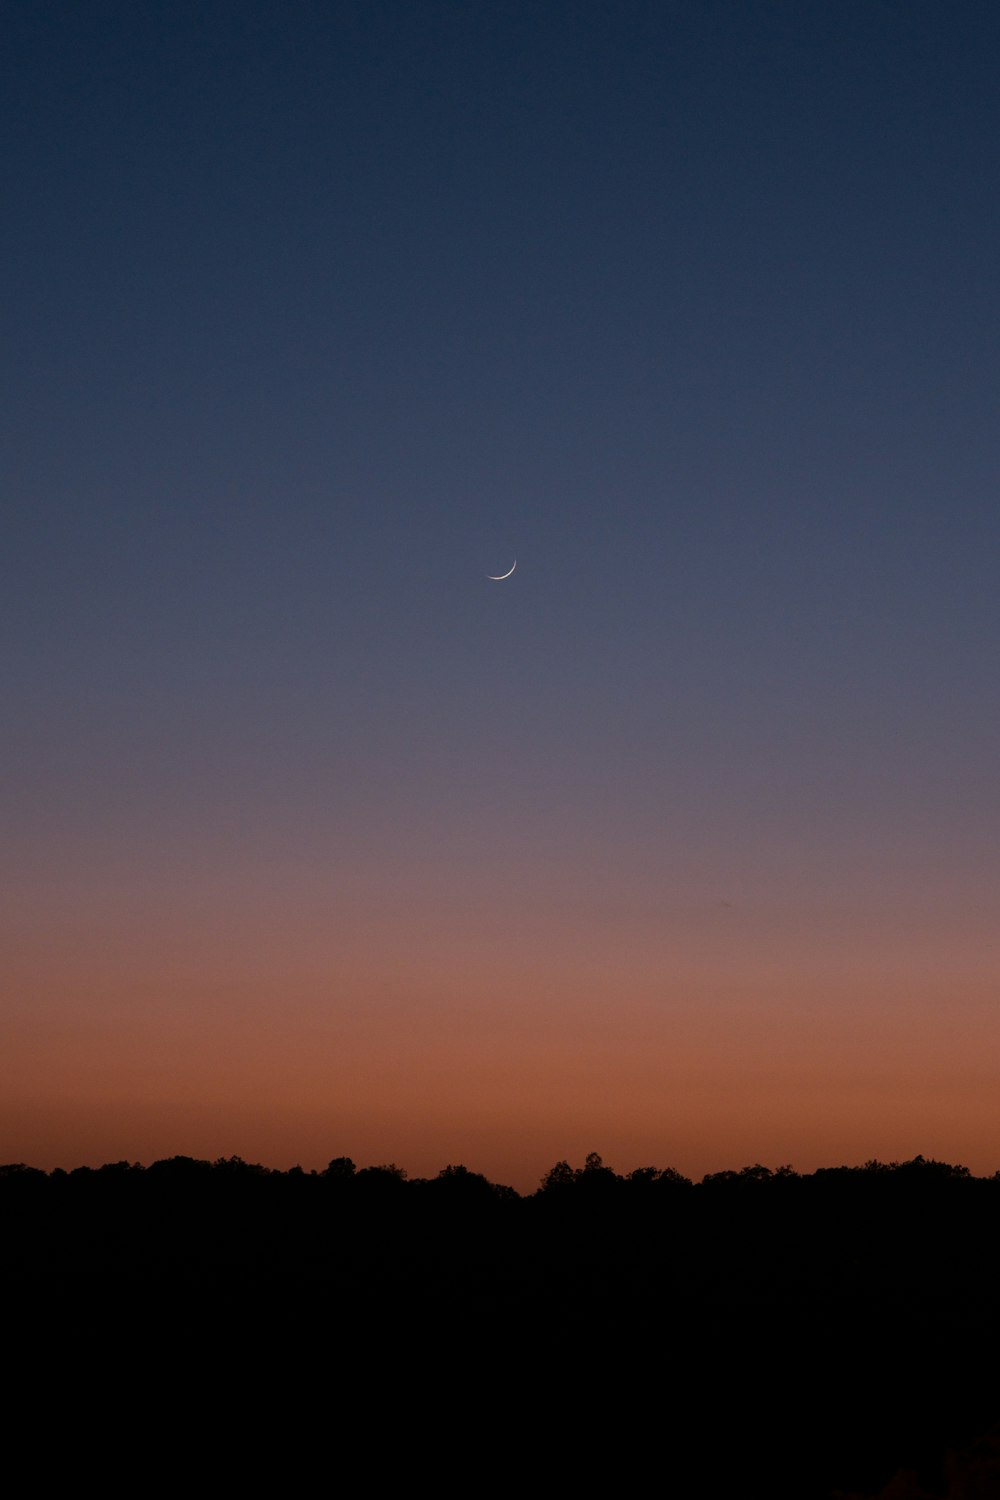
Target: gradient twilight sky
x=683, y=843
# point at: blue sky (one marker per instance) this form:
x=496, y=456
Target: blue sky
x=319, y=314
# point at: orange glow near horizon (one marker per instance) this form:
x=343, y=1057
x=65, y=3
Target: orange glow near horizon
x=693, y=1038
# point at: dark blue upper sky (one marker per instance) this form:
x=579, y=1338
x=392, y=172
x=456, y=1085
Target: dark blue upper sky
x=316, y=314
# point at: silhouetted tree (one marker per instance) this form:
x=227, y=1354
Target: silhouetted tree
x=384, y=1178
x=558, y=1178
x=647, y=1177
x=756, y=1173
x=340, y=1168
x=596, y=1177
x=460, y=1186
x=180, y=1168
x=235, y=1166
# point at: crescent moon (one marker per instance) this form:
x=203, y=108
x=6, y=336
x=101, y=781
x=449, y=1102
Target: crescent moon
x=499, y=577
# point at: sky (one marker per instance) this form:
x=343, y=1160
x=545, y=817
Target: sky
x=681, y=844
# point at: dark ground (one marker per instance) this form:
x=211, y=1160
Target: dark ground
x=759, y=1333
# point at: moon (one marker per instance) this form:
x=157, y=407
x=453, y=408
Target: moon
x=499, y=577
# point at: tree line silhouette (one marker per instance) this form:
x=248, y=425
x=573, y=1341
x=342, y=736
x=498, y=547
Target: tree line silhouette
x=806, y=1332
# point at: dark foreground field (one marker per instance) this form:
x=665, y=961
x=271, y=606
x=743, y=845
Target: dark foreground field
x=756, y=1333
